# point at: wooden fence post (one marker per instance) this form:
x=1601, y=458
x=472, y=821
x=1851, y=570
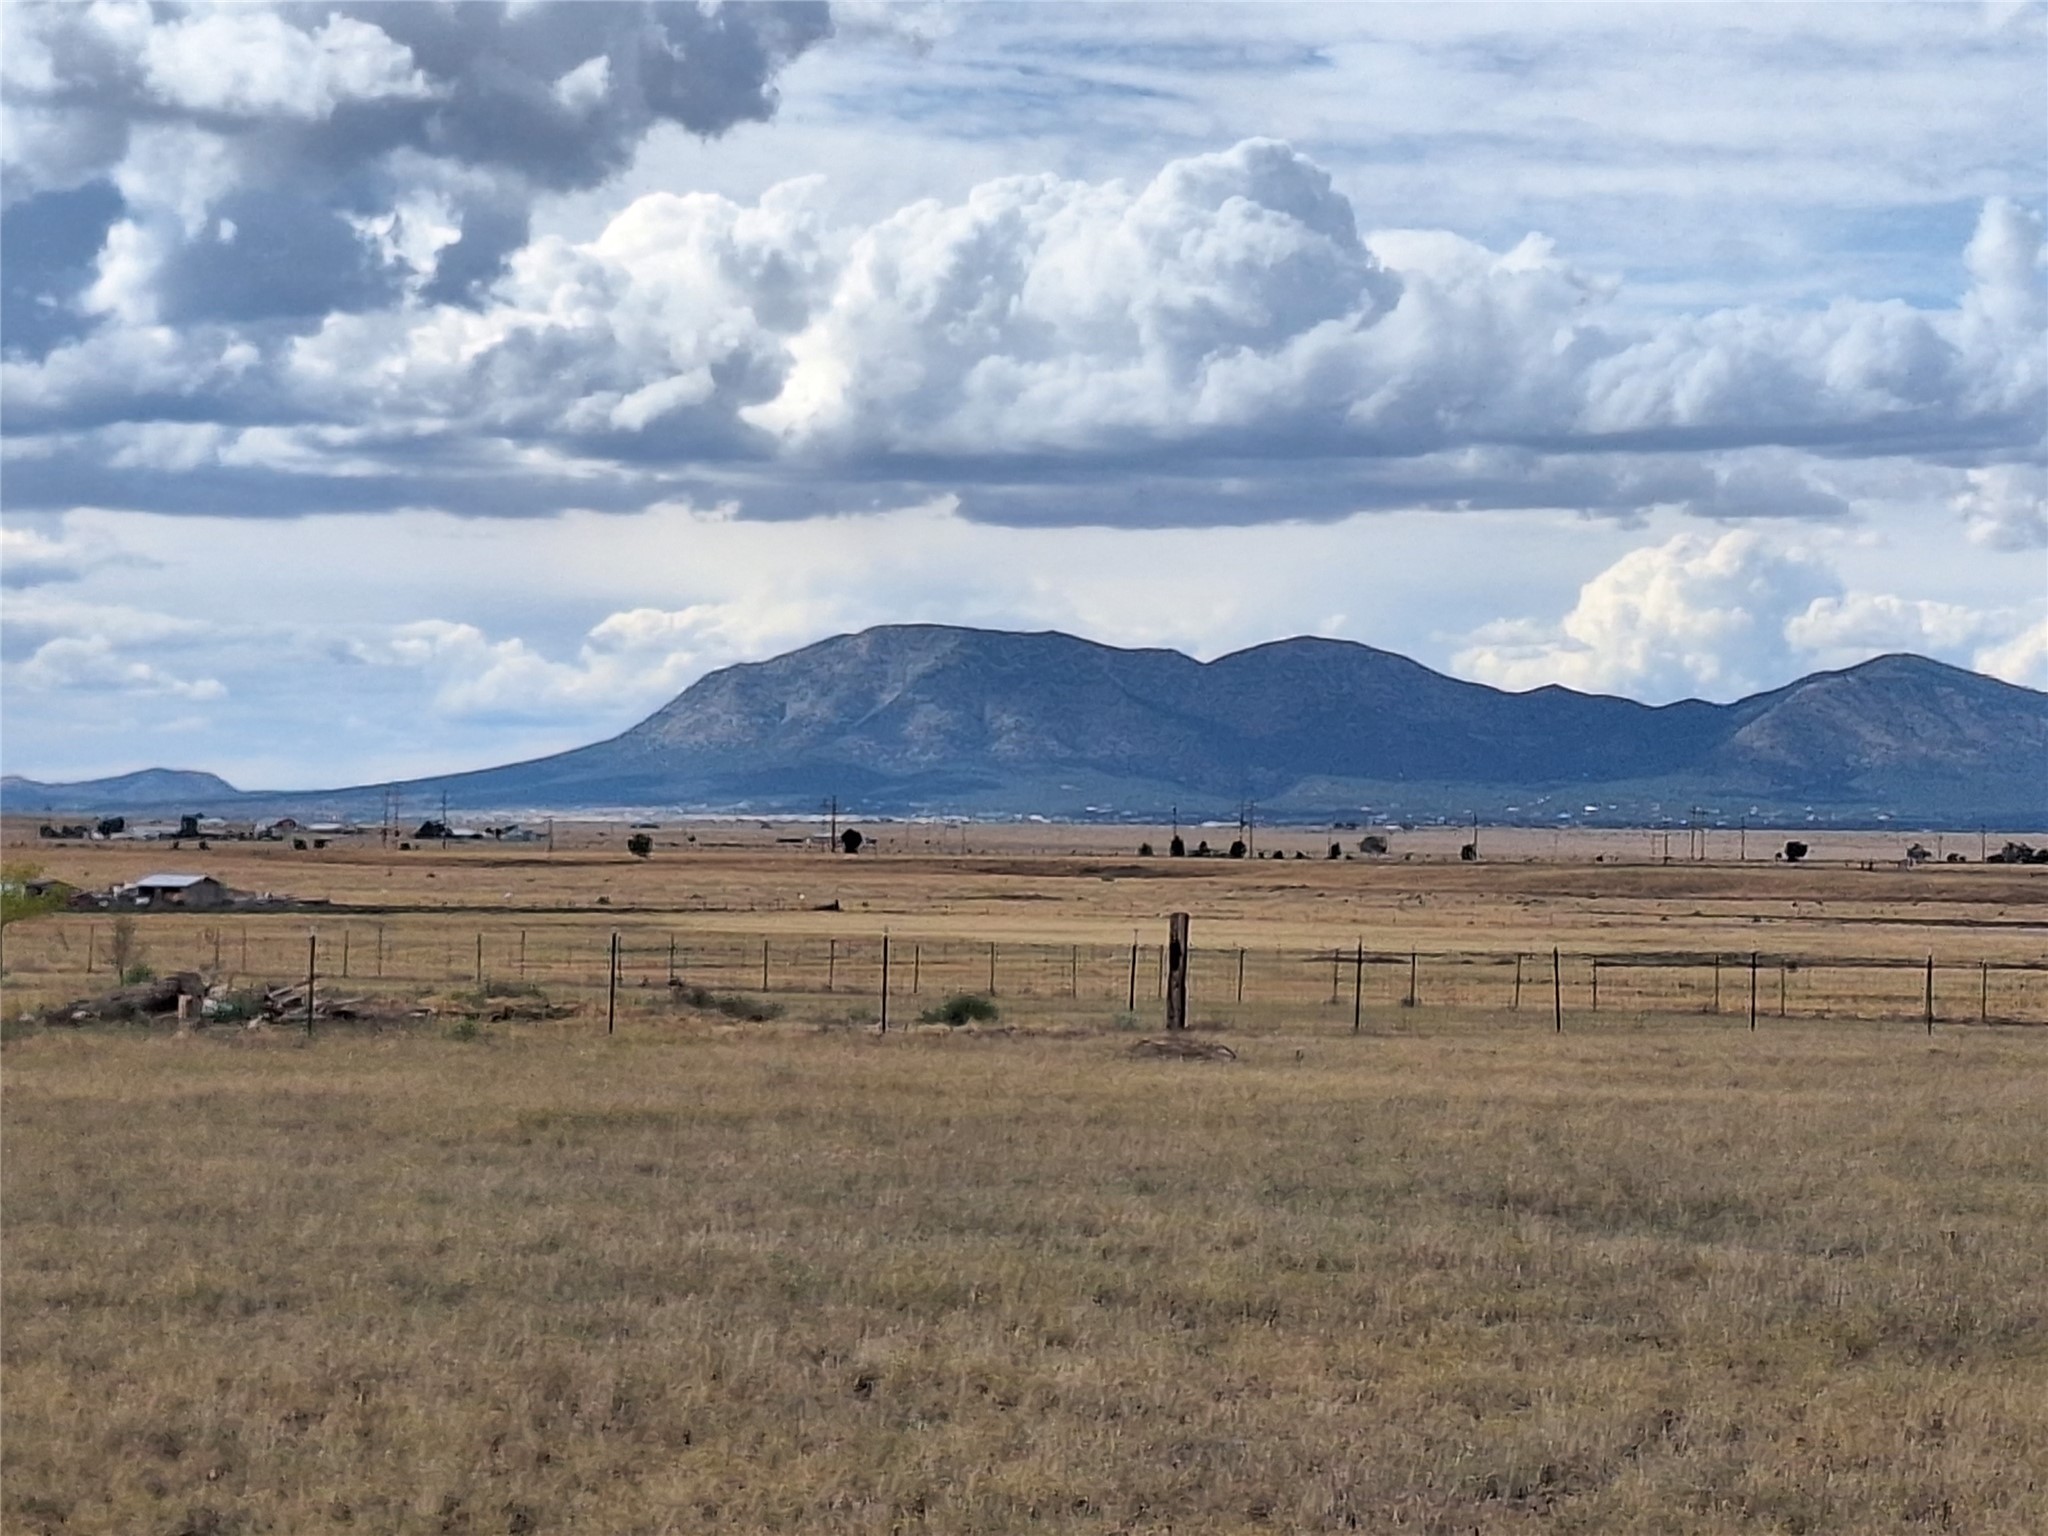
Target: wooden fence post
x=1983, y=991
x=1358, y=986
x=1930, y=994
x=1411, y=978
x=1517, y=1006
x=1557, y=989
x=344, y=952
x=831, y=962
x=1132, y=1005
x=312, y=970
x=1596, y=983
x=885, y=981
x=1240, y=975
x=991, y=970
x=479, y=957
x=611, y=991
x=764, y=965
x=1176, y=971
x=1752, y=991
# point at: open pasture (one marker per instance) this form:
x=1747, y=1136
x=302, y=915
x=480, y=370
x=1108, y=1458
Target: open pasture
x=1454, y=1273
x=779, y=1278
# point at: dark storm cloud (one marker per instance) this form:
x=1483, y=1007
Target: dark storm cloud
x=330, y=115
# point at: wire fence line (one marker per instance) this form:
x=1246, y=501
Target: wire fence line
x=1226, y=982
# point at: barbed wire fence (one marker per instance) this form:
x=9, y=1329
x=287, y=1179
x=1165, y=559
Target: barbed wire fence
x=1341, y=984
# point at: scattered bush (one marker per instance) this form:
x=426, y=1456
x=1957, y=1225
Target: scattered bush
x=15, y=900
x=233, y=1007
x=501, y=987
x=640, y=845
x=1144, y=850
x=1794, y=851
x=1372, y=843
x=733, y=1005
x=962, y=1008
x=135, y=975
x=124, y=949
x=850, y=840
x=1237, y=849
x=1177, y=849
x=465, y=1029
x=1336, y=850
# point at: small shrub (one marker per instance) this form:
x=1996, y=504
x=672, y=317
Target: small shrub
x=1144, y=850
x=732, y=1005
x=1178, y=848
x=124, y=949
x=234, y=1007
x=465, y=1029
x=962, y=1008
x=640, y=845
x=135, y=975
x=495, y=987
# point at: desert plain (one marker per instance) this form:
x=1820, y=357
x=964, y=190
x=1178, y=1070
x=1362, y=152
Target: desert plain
x=1442, y=1238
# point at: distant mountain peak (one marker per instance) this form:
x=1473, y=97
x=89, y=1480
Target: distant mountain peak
x=941, y=718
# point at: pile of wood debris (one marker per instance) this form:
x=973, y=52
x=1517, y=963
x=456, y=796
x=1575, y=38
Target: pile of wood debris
x=187, y=1000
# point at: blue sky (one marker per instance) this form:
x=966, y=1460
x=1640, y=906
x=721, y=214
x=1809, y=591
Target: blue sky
x=395, y=389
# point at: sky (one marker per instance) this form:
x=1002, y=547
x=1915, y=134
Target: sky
x=393, y=389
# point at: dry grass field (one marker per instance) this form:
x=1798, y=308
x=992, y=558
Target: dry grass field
x=1456, y=1273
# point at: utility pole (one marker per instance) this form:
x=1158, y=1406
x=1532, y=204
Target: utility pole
x=832, y=806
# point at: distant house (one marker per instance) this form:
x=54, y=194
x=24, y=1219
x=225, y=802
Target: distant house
x=196, y=893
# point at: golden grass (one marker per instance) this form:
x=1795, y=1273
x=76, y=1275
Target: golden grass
x=778, y=1278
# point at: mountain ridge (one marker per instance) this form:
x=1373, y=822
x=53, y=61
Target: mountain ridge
x=937, y=719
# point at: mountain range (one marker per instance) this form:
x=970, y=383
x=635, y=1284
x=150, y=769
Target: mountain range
x=929, y=719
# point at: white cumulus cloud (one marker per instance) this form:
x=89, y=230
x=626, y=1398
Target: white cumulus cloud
x=2005, y=506
x=246, y=62
x=1721, y=616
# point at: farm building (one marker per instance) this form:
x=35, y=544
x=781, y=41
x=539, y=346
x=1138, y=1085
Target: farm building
x=197, y=893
